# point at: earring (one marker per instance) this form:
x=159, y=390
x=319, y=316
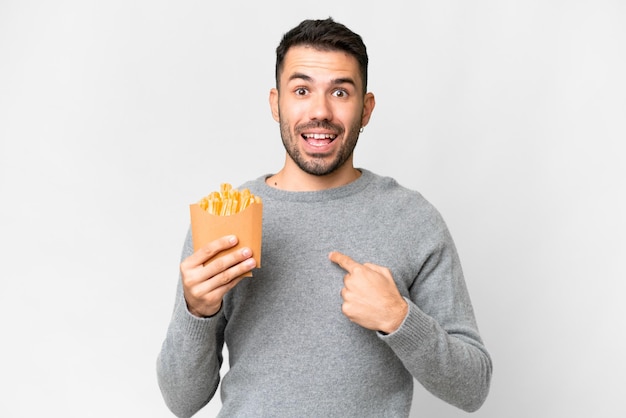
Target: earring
x=361, y=130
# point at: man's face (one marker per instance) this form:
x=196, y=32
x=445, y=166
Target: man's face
x=320, y=108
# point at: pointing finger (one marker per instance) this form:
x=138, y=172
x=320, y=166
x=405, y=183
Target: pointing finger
x=343, y=261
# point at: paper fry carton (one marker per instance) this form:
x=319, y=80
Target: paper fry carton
x=247, y=225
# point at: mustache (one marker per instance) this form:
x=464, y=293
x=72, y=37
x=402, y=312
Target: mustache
x=319, y=125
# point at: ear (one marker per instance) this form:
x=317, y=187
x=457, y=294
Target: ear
x=274, y=104
x=369, y=102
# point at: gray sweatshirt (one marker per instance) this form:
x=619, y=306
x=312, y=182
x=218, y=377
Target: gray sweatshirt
x=293, y=353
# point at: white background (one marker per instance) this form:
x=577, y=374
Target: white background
x=509, y=116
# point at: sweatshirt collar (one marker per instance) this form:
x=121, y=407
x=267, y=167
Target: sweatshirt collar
x=268, y=192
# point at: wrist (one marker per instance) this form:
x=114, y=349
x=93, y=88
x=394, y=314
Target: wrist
x=203, y=314
x=397, y=318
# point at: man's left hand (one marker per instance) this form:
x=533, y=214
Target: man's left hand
x=370, y=296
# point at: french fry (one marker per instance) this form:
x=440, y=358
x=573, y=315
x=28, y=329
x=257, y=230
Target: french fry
x=228, y=201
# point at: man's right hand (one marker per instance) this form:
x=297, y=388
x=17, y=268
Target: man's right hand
x=205, y=283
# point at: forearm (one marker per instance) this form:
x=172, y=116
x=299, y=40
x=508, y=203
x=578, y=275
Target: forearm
x=452, y=363
x=189, y=362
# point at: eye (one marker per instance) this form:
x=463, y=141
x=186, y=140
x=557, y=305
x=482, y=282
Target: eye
x=340, y=93
x=300, y=91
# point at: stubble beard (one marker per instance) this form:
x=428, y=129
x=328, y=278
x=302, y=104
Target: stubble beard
x=318, y=164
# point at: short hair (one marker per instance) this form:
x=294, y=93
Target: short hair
x=323, y=35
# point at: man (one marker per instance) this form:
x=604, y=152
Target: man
x=361, y=289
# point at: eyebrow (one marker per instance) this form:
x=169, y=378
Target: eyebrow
x=336, y=81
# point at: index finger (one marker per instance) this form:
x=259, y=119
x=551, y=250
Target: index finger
x=344, y=261
x=204, y=254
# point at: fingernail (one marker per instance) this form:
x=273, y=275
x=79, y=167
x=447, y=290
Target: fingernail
x=246, y=252
x=232, y=239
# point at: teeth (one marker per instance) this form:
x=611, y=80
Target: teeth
x=320, y=136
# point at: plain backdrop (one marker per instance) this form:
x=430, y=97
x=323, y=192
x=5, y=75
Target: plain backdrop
x=508, y=115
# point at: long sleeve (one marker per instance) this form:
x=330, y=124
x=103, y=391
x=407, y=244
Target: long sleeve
x=189, y=362
x=439, y=342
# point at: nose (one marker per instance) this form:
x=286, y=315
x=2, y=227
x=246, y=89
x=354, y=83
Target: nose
x=321, y=108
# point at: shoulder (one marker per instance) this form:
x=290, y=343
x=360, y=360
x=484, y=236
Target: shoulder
x=403, y=202
x=389, y=189
x=256, y=185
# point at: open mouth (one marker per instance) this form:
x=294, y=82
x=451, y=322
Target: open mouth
x=319, y=140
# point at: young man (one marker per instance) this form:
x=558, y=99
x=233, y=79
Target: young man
x=361, y=288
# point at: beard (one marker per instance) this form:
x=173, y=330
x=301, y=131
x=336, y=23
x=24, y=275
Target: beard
x=319, y=164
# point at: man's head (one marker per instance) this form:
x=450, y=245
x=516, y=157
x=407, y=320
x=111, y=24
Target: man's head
x=324, y=35
x=320, y=99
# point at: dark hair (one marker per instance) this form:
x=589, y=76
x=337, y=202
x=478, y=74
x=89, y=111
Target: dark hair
x=324, y=35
